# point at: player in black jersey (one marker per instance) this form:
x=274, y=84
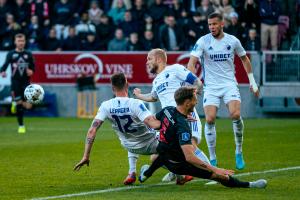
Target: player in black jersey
x=22, y=68
x=175, y=149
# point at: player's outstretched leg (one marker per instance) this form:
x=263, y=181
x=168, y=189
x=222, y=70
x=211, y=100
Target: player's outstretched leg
x=234, y=182
x=238, y=129
x=131, y=178
x=211, y=137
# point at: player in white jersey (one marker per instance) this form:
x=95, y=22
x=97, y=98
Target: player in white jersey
x=217, y=49
x=128, y=117
x=168, y=79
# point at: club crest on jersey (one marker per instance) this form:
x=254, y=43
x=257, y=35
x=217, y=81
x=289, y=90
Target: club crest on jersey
x=25, y=56
x=210, y=48
x=228, y=47
x=185, y=136
x=15, y=55
x=167, y=75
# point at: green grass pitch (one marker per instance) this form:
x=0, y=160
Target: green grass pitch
x=40, y=162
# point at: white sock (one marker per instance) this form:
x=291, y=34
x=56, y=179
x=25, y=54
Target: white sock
x=201, y=155
x=132, y=160
x=211, y=137
x=238, y=129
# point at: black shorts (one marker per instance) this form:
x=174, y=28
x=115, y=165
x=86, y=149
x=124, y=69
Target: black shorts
x=17, y=89
x=185, y=168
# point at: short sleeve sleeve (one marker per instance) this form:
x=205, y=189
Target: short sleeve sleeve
x=184, y=74
x=160, y=114
x=184, y=132
x=140, y=110
x=197, y=50
x=102, y=112
x=239, y=49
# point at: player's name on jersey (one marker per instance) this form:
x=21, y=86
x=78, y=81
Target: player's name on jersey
x=219, y=57
x=119, y=110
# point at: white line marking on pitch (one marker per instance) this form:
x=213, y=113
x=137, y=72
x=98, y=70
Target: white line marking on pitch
x=154, y=185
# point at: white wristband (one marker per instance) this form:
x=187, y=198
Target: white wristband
x=252, y=82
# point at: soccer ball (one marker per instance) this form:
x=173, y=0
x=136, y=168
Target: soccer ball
x=34, y=93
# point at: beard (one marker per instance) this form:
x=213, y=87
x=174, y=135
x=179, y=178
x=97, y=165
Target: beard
x=154, y=68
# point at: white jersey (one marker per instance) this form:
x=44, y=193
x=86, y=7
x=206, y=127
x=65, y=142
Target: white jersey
x=168, y=81
x=127, y=116
x=218, y=55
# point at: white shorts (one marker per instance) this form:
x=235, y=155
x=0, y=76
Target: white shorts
x=196, y=127
x=148, y=149
x=212, y=97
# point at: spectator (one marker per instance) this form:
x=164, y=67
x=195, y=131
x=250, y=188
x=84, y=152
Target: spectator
x=269, y=12
x=40, y=8
x=134, y=43
x=63, y=17
x=235, y=28
x=22, y=13
x=205, y=9
x=148, y=41
x=91, y=43
x=95, y=12
x=253, y=42
x=226, y=10
x=191, y=5
x=4, y=9
x=105, y=31
x=176, y=9
x=127, y=4
x=250, y=15
x=138, y=13
x=71, y=43
x=84, y=27
x=118, y=43
x=117, y=12
x=157, y=11
x=11, y=29
x=171, y=35
x=34, y=34
x=52, y=43
x=128, y=25
x=195, y=28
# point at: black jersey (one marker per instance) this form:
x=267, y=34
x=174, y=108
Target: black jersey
x=175, y=131
x=19, y=62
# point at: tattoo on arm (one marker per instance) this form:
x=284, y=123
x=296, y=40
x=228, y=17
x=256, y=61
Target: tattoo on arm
x=90, y=140
x=96, y=124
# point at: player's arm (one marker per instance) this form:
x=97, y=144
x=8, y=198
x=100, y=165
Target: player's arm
x=31, y=67
x=248, y=68
x=149, y=97
x=152, y=122
x=198, y=84
x=192, y=64
x=188, y=150
x=5, y=65
x=90, y=137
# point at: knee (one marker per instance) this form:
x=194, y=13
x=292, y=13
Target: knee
x=210, y=119
x=236, y=115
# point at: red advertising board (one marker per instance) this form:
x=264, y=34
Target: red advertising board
x=65, y=67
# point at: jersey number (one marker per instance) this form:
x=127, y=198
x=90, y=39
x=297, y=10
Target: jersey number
x=126, y=127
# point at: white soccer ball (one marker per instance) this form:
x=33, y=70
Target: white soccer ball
x=34, y=93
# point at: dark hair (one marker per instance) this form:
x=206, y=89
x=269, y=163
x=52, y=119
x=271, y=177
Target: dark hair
x=215, y=15
x=20, y=35
x=183, y=94
x=118, y=80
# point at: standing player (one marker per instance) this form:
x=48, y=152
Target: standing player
x=22, y=65
x=175, y=149
x=168, y=79
x=127, y=116
x=218, y=49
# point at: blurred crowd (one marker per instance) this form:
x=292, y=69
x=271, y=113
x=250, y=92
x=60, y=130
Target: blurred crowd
x=135, y=25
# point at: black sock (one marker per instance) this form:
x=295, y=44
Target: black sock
x=157, y=163
x=234, y=182
x=20, y=113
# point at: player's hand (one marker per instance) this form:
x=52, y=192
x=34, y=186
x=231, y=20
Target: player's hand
x=29, y=72
x=3, y=74
x=84, y=161
x=256, y=93
x=137, y=92
x=224, y=172
x=191, y=118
